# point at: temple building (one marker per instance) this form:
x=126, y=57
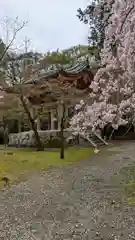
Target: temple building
x=48, y=90
x=51, y=95
x=52, y=89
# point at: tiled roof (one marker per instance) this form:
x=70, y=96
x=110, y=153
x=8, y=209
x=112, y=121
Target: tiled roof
x=77, y=68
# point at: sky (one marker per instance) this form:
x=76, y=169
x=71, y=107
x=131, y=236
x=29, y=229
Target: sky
x=52, y=24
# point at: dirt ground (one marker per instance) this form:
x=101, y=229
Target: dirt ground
x=83, y=201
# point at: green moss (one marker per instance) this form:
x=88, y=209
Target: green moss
x=131, y=202
x=16, y=163
x=129, y=179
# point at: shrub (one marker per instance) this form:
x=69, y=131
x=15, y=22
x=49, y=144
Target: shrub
x=54, y=142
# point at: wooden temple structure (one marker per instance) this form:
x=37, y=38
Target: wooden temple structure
x=49, y=94
x=49, y=90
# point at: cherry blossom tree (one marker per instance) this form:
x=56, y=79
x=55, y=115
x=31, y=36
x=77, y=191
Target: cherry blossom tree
x=112, y=94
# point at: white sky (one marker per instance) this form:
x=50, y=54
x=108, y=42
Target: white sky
x=52, y=24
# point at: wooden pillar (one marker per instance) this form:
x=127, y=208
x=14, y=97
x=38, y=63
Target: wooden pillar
x=60, y=113
x=66, y=116
x=52, y=120
x=49, y=120
x=19, y=126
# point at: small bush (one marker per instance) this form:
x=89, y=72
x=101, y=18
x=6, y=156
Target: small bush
x=54, y=142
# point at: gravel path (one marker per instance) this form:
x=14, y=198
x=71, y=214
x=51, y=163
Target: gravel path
x=84, y=201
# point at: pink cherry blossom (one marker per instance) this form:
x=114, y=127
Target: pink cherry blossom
x=112, y=95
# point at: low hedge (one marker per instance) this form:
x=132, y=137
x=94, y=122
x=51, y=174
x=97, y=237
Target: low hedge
x=54, y=142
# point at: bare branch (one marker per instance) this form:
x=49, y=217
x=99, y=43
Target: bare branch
x=16, y=30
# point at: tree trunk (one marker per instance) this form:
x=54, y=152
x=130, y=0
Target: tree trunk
x=62, y=134
x=6, y=136
x=40, y=146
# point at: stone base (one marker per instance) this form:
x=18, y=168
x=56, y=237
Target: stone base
x=27, y=139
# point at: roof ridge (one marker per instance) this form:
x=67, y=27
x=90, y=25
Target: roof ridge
x=76, y=68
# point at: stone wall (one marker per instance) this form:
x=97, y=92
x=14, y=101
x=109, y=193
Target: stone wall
x=27, y=139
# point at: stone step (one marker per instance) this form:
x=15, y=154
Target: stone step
x=91, y=139
x=96, y=140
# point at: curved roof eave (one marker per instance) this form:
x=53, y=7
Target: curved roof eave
x=78, y=68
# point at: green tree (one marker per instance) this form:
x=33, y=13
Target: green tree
x=57, y=58
x=68, y=56
x=96, y=15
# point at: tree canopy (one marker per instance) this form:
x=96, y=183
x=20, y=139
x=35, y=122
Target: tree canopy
x=96, y=14
x=113, y=88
